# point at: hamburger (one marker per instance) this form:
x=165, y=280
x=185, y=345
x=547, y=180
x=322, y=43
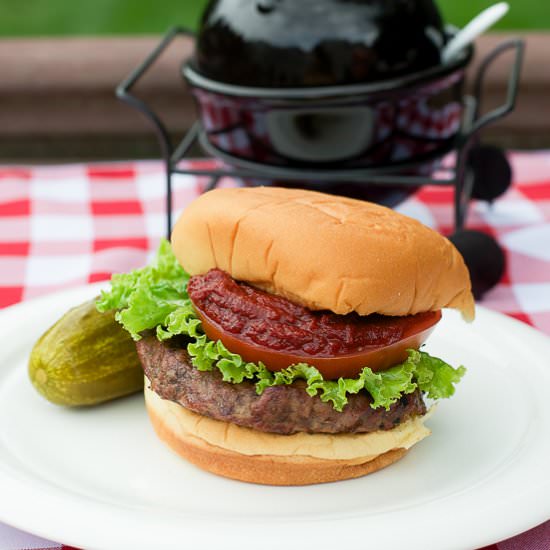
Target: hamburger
x=280, y=333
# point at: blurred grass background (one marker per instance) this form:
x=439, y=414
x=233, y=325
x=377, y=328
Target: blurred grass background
x=104, y=17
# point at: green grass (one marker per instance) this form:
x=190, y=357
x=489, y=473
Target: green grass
x=523, y=14
x=104, y=17
x=95, y=17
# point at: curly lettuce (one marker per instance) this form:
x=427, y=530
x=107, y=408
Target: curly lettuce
x=155, y=298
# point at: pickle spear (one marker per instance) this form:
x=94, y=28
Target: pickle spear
x=86, y=358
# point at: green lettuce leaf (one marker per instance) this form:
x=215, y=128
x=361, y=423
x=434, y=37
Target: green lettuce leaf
x=146, y=297
x=435, y=377
x=155, y=298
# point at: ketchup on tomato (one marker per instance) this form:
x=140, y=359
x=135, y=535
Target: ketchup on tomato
x=262, y=327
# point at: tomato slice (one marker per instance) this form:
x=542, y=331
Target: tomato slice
x=377, y=358
x=264, y=327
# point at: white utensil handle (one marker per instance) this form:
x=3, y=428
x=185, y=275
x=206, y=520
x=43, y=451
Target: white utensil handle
x=478, y=25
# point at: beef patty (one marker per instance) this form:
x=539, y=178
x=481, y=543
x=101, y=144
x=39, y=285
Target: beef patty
x=280, y=409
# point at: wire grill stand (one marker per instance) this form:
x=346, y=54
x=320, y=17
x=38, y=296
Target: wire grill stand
x=460, y=175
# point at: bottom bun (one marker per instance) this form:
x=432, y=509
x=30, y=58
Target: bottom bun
x=191, y=435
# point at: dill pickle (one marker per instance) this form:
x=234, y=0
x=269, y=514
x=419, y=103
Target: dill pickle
x=86, y=358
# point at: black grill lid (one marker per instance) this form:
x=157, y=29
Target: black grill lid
x=298, y=43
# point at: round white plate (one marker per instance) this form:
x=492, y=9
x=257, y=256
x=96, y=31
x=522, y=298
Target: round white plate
x=99, y=478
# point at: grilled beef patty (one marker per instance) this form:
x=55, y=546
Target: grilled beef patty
x=280, y=409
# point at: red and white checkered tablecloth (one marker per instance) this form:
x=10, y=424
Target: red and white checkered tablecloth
x=64, y=226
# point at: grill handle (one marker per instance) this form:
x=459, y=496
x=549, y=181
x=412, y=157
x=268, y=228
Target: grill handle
x=123, y=92
x=481, y=121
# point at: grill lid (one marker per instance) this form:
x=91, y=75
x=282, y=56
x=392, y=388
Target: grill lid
x=291, y=43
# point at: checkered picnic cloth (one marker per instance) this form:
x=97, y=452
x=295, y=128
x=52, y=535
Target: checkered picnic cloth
x=64, y=226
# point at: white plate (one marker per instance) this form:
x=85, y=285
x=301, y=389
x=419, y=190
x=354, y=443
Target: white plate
x=99, y=478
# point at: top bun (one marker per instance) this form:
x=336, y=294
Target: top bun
x=323, y=251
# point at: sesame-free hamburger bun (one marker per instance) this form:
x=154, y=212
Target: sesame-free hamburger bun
x=249, y=455
x=323, y=251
